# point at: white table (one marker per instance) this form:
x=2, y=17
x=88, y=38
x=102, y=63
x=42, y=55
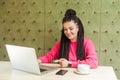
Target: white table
x=101, y=73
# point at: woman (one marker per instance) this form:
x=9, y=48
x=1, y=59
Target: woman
x=73, y=48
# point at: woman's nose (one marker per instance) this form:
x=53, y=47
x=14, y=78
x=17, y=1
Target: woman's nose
x=68, y=31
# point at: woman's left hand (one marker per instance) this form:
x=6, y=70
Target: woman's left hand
x=63, y=62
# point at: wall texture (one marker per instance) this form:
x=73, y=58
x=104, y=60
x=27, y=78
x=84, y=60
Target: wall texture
x=37, y=23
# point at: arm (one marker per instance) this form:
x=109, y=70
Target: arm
x=90, y=56
x=52, y=54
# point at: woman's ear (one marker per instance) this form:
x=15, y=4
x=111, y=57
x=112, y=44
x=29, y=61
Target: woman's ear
x=77, y=28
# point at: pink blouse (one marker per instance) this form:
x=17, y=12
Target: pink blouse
x=90, y=54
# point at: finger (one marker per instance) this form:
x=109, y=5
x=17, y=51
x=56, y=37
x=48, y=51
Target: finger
x=62, y=59
x=39, y=61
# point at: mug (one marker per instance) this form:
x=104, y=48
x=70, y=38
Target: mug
x=83, y=69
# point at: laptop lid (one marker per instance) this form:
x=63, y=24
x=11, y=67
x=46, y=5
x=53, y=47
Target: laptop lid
x=23, y=58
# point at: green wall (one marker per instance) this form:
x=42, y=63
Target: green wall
x=37, y=23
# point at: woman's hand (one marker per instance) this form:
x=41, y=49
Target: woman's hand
x=63, y=62
x=39, y=61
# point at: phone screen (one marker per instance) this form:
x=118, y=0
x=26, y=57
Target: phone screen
x=61, y=72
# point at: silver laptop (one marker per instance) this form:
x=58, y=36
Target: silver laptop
x=25, y=59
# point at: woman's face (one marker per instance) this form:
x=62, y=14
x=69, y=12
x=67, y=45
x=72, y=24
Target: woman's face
x=71, y=30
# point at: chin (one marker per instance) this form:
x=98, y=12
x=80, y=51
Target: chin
x=70, y=38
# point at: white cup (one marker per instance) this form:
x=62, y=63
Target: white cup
x=83, y=68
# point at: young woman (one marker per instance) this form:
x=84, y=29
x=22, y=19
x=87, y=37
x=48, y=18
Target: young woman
x=73, y=48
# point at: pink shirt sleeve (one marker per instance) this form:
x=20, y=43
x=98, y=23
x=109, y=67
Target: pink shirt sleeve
x=90, y=55
x=51, y=55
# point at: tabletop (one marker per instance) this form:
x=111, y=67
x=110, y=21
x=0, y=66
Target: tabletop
x=101, y=73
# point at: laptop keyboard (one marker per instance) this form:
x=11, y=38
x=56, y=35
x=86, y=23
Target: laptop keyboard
x=41, y=70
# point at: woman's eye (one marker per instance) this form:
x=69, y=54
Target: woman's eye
x=71, y=28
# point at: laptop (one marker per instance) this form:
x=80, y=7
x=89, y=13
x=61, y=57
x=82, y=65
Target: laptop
x=25, y=59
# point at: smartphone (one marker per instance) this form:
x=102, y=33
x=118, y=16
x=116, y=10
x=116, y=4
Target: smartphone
x=61, y=72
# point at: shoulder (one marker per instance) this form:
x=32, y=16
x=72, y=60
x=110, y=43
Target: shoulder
x=57, y=43
x=87, y=41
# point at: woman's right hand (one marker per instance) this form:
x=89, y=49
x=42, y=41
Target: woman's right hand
x=39, y=61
